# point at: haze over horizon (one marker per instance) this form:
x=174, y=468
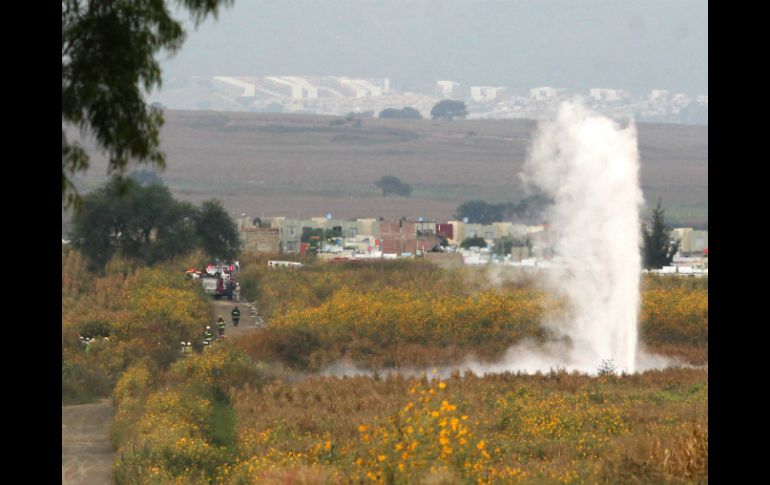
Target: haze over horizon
x=523, y=44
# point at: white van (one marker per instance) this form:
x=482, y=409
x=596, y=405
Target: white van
x=284, y=264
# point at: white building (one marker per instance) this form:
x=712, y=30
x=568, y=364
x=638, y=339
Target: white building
x=604, y=94
x=234, y=86
x=486, y=93
x=448, y=89
x=545, y=92
x=309, y=90
x=363, y=88
x=680, y=100
x=690, y=240
x=293, y=87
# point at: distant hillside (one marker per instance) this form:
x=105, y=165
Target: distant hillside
x=288, y=164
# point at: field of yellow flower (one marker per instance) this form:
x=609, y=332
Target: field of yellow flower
x=253, y=411
x=414, y=314
x=507, y=428
x=129, y=313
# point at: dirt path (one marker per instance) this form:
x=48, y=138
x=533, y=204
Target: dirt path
x=86, y=453
x=246, y=325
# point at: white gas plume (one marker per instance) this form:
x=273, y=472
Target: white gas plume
x=589, y=165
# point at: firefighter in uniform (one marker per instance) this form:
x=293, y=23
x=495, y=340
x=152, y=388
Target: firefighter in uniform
x=208, y=336
x=236, y=314
x=221, y=326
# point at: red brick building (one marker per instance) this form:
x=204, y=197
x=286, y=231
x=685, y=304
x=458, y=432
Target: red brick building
x=398, y=237
x=446, y=230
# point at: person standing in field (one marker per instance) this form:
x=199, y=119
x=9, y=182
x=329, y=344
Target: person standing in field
x=236, y=314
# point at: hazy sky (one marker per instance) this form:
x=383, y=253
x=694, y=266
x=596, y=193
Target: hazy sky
x=576, y=44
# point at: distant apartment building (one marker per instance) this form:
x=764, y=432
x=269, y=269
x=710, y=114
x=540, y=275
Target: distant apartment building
x=308, y=90
x=607, y=95
x=291, y=87
x=458, y=232
x=489, y=234
x=542, y=240
x=235, y=87
x=398, y=237
x=290, y=233
x=471, y=230
x=446, y=230
x=658, y=95
x=368, y=226
x=545, y=93
x=486, y=93
x=504, y=229
x=448, y=89
x=690, y=240
x=358, y=232
x=464, y=230
x=258, y=237
x=363, y=88
x=680, y=100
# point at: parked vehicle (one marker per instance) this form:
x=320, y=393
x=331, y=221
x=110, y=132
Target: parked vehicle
x=284, y=264
x=217, y=279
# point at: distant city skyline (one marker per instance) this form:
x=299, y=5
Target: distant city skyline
x=572, y=44
x=340, y=95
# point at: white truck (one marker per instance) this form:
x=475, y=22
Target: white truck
x=218, y=280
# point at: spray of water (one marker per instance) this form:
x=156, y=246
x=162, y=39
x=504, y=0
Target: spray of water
x=589, y=165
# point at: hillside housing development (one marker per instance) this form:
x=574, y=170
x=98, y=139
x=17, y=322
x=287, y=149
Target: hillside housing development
x=340, y=95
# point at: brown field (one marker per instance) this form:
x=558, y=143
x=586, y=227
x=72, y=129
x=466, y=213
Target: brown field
x=302, y=165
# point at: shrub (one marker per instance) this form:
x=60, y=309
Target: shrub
x=145, y=312
x=675, y=315
x=82, y=384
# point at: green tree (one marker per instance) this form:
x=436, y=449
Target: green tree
x=528, y=209
x=109, y=50
x=141, y=223
x=406, y=113
x=477, y=241
x=448, y=109
x=658, y=249
x=217, y=232
x=392, y=185
x=479, y=212
x=312, y=236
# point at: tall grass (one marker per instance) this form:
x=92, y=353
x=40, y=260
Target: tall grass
x=410, y=313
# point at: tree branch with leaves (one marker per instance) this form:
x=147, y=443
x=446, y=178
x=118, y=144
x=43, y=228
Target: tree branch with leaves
x=658, y=249
x=109, y=50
